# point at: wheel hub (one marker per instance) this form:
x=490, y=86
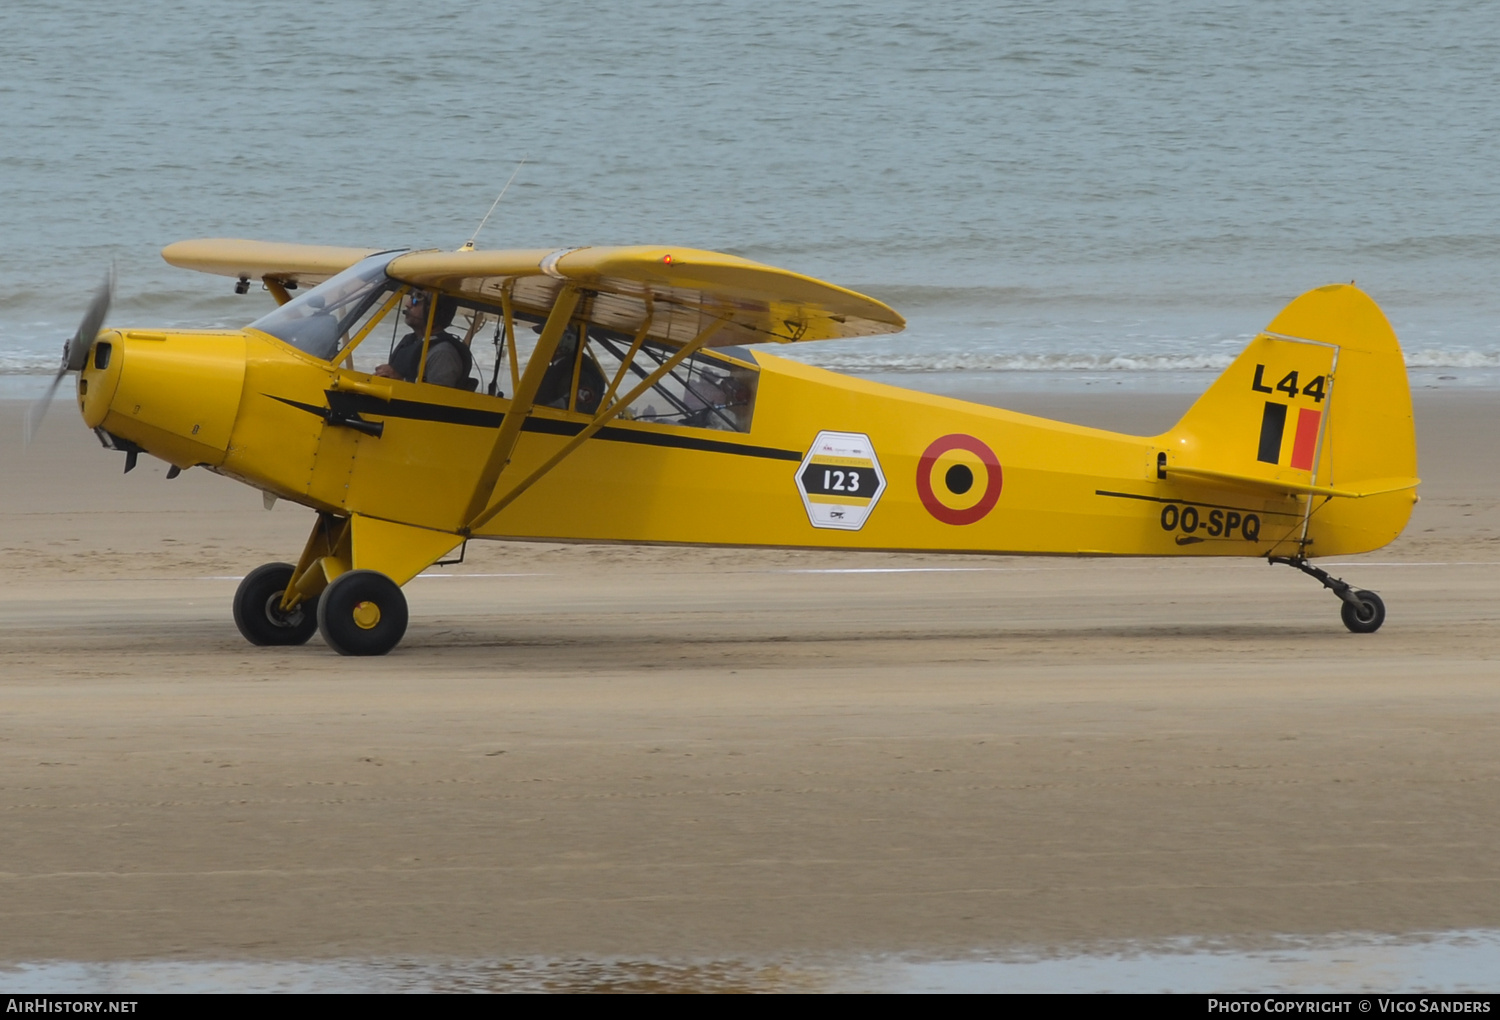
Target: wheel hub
x=366, y=615
x=281, y=617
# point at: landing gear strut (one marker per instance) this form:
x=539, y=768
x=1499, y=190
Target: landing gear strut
x=1363, y=612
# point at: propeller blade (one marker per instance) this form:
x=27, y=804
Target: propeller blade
x=78, y=348
x=39, y=409
x=76, y=353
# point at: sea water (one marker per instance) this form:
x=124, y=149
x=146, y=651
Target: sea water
x=1130, y=188
x=1442, y=962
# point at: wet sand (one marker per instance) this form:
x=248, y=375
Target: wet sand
x=689, y=754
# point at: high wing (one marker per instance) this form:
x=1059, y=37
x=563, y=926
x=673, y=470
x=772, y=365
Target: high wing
x=675, y=293
x=297, y=265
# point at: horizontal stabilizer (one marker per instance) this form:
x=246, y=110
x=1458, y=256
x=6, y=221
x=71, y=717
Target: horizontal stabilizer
x=1358, y=490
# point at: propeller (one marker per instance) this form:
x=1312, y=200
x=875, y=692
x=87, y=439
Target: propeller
x=76, y=351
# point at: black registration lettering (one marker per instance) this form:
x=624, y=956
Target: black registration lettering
x=1259, y=385
x=1218, y=523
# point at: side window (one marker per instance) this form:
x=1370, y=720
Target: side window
x=708, y=391
x=576, y=380
x=497, y=361
x=370, y=325
x=477, y=328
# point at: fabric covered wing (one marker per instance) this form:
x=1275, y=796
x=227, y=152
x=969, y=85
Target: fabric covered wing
x=303, y=265
x=678, y=290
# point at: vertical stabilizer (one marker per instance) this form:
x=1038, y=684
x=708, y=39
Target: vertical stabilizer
x=1317, y=406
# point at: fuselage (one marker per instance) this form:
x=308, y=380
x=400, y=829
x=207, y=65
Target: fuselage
x=826, y=461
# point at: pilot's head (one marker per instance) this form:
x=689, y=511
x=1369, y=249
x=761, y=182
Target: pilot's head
x=416, y=311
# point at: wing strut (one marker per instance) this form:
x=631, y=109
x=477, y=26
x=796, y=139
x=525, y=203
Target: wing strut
x=600, y=420
x=521, y=403
x=635, y=346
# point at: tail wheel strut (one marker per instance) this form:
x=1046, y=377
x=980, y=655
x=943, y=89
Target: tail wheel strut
x=1363, y=611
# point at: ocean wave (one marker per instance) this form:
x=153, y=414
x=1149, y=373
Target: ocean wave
x=1452, y=359
x=1065, y=299
x=984, y=362
x=905, y=295
x=52, y=306
x=954, y=361
x=23, y=362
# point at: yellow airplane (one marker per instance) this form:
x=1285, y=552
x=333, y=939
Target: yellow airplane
x=610, y=394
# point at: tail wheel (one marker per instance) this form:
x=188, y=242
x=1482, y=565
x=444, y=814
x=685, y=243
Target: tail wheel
x=1366, y=615
x=258, y=613
x=362, y=613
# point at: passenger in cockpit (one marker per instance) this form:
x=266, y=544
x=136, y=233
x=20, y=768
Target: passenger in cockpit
x=553, y=391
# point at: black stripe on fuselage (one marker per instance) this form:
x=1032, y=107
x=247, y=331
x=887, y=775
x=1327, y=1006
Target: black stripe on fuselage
x=299, y=405
x=553, y=427
x=348, y=403
x=1192, y=502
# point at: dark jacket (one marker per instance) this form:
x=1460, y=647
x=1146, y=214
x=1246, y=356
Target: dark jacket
x=408, y=353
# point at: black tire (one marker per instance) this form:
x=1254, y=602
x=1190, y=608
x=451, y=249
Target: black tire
x=362, y=613
x=1366, y=617
x=257, y=608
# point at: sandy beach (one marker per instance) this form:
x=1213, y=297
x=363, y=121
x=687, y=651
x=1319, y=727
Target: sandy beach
x=664, y=753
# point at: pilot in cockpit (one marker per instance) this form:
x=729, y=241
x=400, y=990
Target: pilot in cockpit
x=448, y=360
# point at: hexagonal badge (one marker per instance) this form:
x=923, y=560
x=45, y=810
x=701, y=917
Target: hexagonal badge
x=840, y=480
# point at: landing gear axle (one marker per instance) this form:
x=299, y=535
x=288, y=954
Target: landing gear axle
x=1363, y=612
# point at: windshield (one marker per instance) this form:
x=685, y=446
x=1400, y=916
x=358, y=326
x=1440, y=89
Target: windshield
x=321, y=321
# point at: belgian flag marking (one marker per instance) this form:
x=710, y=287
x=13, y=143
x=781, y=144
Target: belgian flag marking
x=1273, y=431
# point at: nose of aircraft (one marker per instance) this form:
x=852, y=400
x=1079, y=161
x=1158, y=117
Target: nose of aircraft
x=100, y=377
x=174, y=395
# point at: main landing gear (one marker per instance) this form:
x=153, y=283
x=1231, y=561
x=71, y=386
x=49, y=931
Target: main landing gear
x=1363, y=612
x=258, y=613
x=361, y=612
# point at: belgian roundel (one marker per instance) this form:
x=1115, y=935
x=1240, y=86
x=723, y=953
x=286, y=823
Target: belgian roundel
x=959, y=479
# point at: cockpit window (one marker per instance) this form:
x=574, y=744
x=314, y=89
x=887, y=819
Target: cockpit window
x=321, y=321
